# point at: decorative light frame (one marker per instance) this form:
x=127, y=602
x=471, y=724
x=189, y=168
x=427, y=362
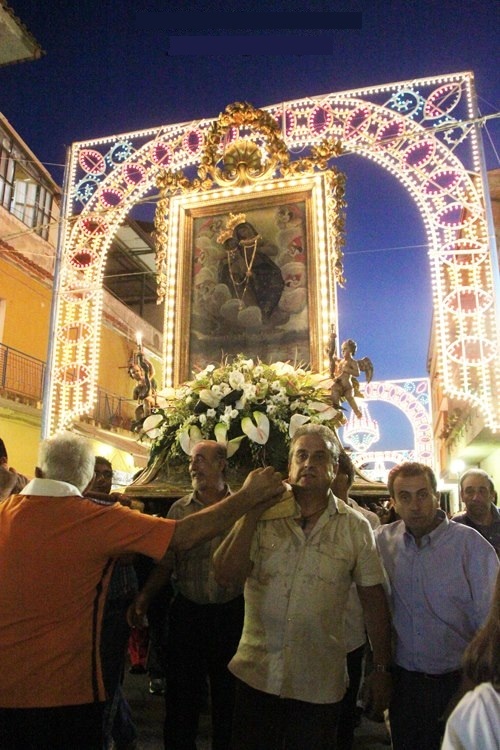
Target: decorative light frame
x=412, y=397
x=425, y=132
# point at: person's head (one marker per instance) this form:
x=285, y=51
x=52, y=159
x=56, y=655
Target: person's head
x=207, y=467
x=349, y=347
x=245, y=231
x=344, y=477
x=413, y=489
x=477, y=492
x=480, y=660
x=313, y=458
x=67, y=458
x=103, y=475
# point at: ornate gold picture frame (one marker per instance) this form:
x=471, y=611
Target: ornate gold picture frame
x=251, y=270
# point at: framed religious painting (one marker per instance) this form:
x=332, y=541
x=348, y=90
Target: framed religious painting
x=250, y=271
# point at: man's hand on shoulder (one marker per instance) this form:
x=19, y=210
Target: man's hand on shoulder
x=264, y=486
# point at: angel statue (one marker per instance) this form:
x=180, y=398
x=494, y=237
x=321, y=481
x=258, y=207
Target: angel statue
x=142, y=371
x=345, y=371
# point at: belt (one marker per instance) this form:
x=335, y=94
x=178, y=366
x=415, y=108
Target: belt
x=454, y=675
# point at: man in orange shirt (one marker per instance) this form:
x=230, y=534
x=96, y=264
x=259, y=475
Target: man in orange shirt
x=57, y=552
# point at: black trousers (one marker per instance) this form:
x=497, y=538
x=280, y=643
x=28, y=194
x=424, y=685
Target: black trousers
x=58, y=728
x=417, y=707
x=268, y=722
x=202, y=639
x=348, y=715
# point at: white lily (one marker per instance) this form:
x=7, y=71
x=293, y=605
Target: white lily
x=189, y=438
x=296, y=421
x=220, y=432
x=151, y=424
x=258, y=432
x=325, y=411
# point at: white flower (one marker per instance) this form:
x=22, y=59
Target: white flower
x=209, y=397
x=258, y=371
x=202, y=419
x=211, y=413
x=296, y=421
x=236, y=380
x=220, y=432
x=247, y=364
x=189, y=438
x=151, y=425
x=271, y=409
x=249, y=391
x=282, y=368
x=260, y=433
x=223, y=389
x=325, y=411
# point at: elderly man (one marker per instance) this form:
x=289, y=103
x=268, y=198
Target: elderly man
x=57, y=552
x=477, y=492
x=442, y=576
x=205, y=620
x=298, y=568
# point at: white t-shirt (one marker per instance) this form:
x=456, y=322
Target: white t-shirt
x=475, y=722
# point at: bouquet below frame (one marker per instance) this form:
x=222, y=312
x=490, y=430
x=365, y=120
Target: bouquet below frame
x=250, y=406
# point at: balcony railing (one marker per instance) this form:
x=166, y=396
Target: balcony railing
x=22, y=376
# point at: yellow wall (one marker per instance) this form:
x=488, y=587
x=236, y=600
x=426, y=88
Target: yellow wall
x=115, y=352
x=21, y=435
x=27, y=311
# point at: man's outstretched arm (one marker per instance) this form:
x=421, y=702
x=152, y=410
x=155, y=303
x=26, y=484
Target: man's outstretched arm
x=262, y=488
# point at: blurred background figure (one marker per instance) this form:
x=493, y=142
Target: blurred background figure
x=477, y=493
x=475, y=722
x=11, y=481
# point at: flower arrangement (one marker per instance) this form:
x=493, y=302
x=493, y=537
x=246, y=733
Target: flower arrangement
x=252, y=407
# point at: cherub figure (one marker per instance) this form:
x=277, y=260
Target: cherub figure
x=345, y=371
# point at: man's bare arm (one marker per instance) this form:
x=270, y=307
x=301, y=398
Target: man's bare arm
x=262, y=487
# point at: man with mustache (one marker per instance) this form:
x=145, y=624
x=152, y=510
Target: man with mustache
x=297, y=562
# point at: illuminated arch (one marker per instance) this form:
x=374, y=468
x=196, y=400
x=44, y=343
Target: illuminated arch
x=412, y=398
x=418, y=130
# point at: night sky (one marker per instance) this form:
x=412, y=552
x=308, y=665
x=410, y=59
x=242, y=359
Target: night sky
x=111, y=68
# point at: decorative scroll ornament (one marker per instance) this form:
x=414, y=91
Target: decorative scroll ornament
x=245, y=146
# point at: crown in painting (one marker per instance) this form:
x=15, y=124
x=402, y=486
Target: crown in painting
x=231, y=223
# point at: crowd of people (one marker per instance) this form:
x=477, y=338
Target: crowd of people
x=284, y=605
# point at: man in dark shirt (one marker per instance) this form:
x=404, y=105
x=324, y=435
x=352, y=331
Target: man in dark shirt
x=477, y=492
